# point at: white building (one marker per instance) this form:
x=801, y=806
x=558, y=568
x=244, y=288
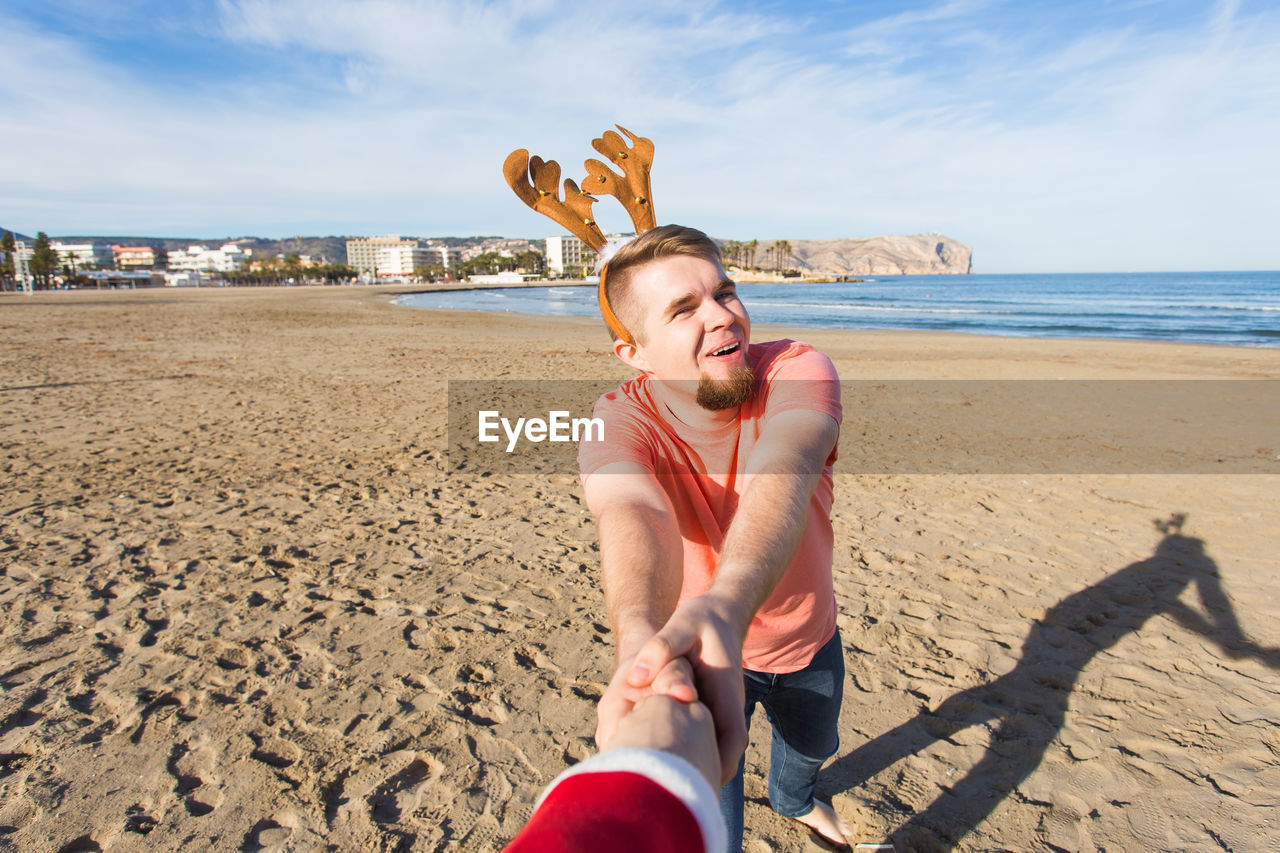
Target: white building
x=568, y=254
x=499, y=278
x=84, y=255
x=371, y=255
x=228, y=258
x=187, y=278
x=390, y=256
x=399, y=261
x=444, y=256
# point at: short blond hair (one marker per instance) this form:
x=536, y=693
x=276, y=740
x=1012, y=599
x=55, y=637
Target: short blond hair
x=667, y=241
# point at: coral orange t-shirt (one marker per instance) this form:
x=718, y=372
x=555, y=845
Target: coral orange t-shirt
x=703, y=473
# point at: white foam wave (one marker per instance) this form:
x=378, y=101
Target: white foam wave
x=874, y=309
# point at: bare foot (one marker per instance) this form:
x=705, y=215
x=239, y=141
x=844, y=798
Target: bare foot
x=824, y=821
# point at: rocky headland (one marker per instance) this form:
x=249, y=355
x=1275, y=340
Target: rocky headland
x=894, y=254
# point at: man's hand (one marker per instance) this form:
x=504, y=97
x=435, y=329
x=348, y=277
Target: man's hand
x=686, y=730
x=675, y=679
x=707, y=631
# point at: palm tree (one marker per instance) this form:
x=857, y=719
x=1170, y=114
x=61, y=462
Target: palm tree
x=784, y=253
x=730, y=251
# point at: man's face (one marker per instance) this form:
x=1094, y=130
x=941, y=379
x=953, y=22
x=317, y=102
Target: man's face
x=693, y=325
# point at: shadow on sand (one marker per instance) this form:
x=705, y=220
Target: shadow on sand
x=1027, y=706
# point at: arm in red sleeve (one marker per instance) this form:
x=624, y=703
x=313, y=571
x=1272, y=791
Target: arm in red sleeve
x=626, y=801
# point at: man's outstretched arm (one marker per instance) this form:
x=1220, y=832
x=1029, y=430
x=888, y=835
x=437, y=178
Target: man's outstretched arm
x=642, y=558
x=784, y=469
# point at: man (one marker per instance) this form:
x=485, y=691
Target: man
x=712, y=490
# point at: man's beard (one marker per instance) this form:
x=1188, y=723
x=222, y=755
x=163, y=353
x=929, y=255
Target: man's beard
x=720, y=394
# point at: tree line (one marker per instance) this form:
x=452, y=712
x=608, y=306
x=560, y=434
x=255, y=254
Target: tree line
x=42, y=265
x=288, y=270
x=776, y=257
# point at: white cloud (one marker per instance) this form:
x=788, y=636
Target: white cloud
x=1111, y=146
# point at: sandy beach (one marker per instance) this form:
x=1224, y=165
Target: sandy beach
x=244, y=606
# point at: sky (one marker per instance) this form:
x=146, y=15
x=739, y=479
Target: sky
x=1051, y=137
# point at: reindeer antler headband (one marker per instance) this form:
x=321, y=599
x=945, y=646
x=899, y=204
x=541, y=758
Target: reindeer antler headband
x=536, y=182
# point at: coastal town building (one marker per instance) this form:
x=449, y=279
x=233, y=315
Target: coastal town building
x=133, y=257
x=388, y=255
x=444, y=256
x=501, y=246
x=391, y=256
x=400, y=261
x=230, y=257
x=499, y=278
x=567, y=255
x=83, y=255
x=187, y=278
x=126, y=279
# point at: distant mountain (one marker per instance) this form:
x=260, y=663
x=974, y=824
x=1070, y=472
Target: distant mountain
x=18, y=236
x=894, y=254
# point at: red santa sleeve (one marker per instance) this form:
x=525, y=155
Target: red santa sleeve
x=626, y=801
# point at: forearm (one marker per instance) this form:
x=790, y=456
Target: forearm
x=762, y=540
x=641, y=558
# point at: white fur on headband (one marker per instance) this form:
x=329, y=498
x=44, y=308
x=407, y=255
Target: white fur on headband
x=610, y=249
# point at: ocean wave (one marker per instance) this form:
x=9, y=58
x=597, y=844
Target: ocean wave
x=885, y=309
x=1230, y=307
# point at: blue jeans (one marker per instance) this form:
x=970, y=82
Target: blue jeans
x=804, y=709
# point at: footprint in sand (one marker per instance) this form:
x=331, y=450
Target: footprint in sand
x=191, y=764
x=421, y=637
x=156, y=622
x=532, y=657
x=1066, y=825
x=139, y=819
x=474, y=708
x=18, y=714
x=271, y=834
x=17, y=809
x=162, y=708
x=227, y=656
x=84, y=844
x=390, y=790
x=275, y=751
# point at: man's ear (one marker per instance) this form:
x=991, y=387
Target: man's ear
x=630, y=355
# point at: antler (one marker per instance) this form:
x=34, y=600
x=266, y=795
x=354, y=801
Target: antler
x=543, y=195
x=574, y=212
x=632, y=186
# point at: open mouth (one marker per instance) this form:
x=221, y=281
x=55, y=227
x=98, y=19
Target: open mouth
x=727, y=349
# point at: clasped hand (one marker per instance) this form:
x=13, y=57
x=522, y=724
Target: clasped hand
x=696, y=655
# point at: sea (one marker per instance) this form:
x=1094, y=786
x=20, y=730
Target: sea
x=1231, y=308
